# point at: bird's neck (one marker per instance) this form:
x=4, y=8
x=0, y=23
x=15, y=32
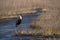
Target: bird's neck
x=20, y=17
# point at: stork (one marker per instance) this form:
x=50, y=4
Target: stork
x=18, y=22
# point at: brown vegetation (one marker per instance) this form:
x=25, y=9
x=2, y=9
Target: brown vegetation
x=14, y=7
x=49, y=21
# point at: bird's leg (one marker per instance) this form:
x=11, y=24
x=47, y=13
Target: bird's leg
x=16, y=32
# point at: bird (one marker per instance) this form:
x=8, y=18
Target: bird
x=19, y=20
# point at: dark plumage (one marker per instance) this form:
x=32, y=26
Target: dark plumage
x=18, y=22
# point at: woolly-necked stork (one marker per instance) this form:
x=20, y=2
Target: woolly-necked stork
x=18, y=22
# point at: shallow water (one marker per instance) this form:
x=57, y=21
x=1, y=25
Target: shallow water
x=7, y=29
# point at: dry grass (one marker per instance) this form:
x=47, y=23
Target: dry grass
x=49, y=21
x=13, y=7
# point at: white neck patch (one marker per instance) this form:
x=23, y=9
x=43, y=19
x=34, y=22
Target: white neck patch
x=20, y=17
